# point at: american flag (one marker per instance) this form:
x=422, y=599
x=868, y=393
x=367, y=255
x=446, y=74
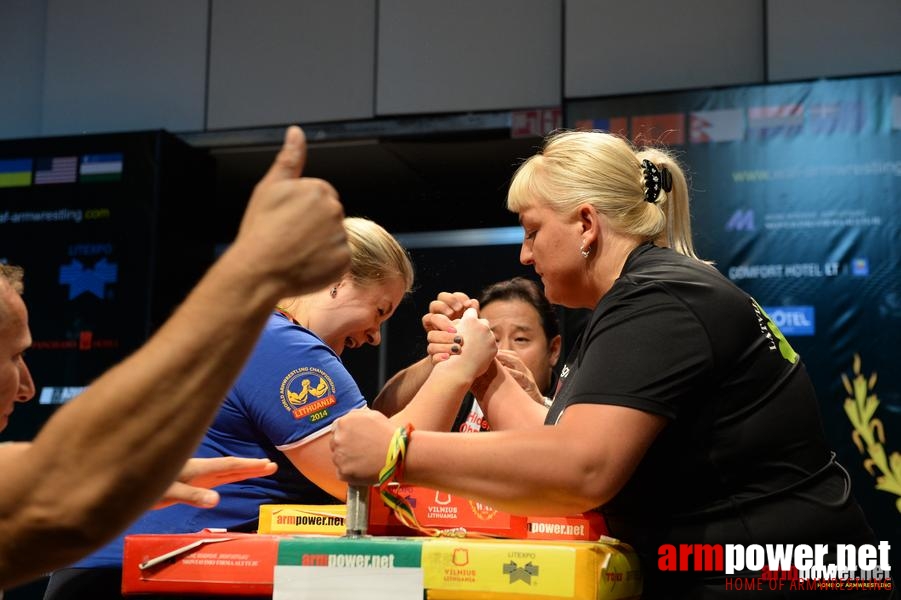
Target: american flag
x=59, y=169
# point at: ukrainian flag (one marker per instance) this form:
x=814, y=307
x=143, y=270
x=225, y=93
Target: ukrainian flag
x=15, y=172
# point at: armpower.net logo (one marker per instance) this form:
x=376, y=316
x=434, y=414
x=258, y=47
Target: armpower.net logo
x=785, y=566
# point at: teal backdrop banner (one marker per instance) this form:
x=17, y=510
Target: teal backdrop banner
x=796, y=195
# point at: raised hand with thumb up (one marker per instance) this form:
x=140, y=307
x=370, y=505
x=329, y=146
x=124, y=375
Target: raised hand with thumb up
x=292, y=232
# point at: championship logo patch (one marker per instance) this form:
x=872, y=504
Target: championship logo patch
x=482, y=511
x=307, y=392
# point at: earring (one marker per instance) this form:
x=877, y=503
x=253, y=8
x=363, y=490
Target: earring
x=334, y=292
x=585, y=252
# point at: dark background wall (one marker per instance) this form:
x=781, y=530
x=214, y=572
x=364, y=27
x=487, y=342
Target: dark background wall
x=418, y=111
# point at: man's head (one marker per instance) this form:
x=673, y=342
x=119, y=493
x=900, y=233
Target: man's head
x=16, y=384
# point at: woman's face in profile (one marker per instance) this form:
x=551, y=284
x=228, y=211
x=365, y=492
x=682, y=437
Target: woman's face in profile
x=355, y=315
x=551, y=245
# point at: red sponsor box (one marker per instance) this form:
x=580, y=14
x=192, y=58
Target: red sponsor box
x=238, y=564
x=437, y=509
x=588, y=527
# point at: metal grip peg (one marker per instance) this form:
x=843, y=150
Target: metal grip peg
x=357, y=520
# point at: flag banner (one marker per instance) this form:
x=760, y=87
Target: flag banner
x=15, y=172
x=100, y=167
x=834, y=117
x=535, y=123
x=773, y=121
x=667, y=129
x=59, y=169
x=725, y=125
x=617, y=125
x=896, y=112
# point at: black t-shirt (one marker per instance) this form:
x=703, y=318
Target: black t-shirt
x=743, y=458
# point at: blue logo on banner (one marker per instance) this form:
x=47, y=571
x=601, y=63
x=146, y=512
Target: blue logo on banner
x=792, y=320
x=860, y=267
x=81, y=280
x=741, y=220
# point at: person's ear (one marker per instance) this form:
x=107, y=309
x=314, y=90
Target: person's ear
x=554, y=348
x=589, y=224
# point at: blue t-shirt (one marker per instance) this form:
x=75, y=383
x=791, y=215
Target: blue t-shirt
x=291, y=390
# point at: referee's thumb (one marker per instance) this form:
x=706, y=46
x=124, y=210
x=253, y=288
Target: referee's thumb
x=291, y=159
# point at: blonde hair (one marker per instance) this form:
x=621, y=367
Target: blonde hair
x=375, y=256
x=604, y=170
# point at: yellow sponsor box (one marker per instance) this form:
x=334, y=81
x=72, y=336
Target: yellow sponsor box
x=315, y=566
x=470, y=569
x=303, y=518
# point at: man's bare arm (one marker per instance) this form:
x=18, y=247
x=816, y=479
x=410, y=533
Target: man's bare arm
x=108, y=455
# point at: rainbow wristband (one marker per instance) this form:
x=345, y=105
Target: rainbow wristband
x=390, y=478
x=397, y=453
x=390, y=475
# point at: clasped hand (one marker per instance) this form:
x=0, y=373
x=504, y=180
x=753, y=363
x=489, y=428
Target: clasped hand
x=466, y=343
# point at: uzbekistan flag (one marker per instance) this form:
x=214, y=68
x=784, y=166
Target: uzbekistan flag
x=100, y=167
x=59, y=169
x=15, y=172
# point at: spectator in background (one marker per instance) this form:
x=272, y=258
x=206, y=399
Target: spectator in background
x=528, y=338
